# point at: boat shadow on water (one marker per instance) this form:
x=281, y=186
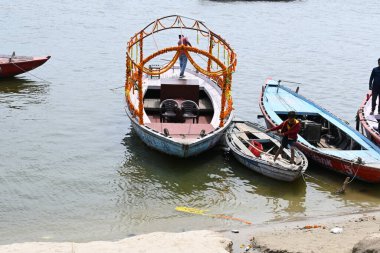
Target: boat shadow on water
x=212, y=169
x=151, y=185
x=150, y=180
x=197, y=169
x=16, y=92
x=181, y=174
x=275, y=192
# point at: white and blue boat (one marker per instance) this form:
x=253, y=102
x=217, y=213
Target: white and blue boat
x=255, y=149
x=325, y=138
x=179, y=116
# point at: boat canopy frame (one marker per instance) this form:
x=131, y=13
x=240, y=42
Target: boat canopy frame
x=135, y=62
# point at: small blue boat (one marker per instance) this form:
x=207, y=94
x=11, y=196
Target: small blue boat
x=324, y=138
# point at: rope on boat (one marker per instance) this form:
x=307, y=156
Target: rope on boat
x=26, y=71
x=352, y=166
x=303, y=178
x=347, y=181
x=154, y=39
x=310, y=177
x=352, y=179
x=285, y=104
x=118, y=87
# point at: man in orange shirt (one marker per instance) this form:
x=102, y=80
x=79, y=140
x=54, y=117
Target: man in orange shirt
x=289, y=130
x=182, y=57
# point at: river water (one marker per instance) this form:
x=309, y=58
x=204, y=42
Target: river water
x=71, y=167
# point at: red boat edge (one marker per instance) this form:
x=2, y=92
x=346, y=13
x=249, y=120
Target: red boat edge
x=12, y=66
x=362, y=123
x=362, y=172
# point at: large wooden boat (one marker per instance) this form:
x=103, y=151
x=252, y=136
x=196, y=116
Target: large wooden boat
x=12, y=65
x=366, y=123
x=255, y=149
x=179, y=116
x=324, y=138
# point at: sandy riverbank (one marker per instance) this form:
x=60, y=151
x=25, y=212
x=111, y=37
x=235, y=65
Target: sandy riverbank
x=203, y=241
x=306, y=236
x=297, y=236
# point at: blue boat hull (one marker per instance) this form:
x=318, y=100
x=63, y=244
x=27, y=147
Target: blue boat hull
x=363, y=164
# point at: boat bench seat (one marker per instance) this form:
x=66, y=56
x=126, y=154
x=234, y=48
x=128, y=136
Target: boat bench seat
x=180, y=129
x=153, y=105
x=244, y=128
x=261, y=140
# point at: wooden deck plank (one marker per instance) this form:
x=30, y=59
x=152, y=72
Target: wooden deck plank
x=241, y=135
x=245, y=128
x=240, y=145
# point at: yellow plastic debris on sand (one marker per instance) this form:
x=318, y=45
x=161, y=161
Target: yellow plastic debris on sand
x=191, y=210
x=202, y=212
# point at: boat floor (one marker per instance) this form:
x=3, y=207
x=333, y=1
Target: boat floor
x=212, y=90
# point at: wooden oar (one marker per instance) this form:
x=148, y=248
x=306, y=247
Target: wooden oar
x=202, y=212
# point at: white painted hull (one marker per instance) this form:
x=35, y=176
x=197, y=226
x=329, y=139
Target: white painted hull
x=264, y=164
x=169, y=146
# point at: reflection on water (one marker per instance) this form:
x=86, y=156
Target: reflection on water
x=152, y=184
x=151, y=180
x=17, y=93
x=357, y=193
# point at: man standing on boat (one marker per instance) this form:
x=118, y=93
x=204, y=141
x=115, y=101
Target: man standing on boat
x=182, y=57
x=374, y=85
x=289, y=131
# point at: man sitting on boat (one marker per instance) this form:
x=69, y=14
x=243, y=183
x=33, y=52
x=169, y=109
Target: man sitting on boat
x=374, y=85
x=182, y=58
x=289, y=130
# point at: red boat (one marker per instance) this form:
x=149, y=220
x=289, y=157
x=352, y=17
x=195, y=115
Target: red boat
x=12, y=65
x=366, y=123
